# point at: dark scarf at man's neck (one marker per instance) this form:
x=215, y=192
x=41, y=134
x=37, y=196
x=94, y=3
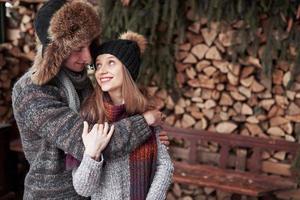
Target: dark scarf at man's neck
x=80, y=81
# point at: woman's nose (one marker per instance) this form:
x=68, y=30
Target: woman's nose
x=102, y=70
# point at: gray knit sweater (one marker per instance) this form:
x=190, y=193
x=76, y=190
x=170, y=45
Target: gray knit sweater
x=111, y=181
x=49, y=129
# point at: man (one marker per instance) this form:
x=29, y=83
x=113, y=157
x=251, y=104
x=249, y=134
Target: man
x=46, y=100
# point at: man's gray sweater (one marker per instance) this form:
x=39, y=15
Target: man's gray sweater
x=49, y=129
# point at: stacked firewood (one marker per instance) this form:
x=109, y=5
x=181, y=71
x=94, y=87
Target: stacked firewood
x=17, y=53
x=190, y=192
x=217, y=94
x=229, y=97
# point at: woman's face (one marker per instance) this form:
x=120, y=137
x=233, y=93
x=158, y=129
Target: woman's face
x=109, y=74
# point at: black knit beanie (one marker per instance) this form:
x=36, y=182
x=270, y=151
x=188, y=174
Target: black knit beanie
x=43, y=18
x=127, y=49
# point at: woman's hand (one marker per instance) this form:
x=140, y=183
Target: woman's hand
x=97, y=139
x=163, y=137
x=154, y=117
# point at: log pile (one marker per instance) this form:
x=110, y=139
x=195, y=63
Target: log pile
x=17, y=54
x=190, y=192
x=215, y=93
x=231, y=97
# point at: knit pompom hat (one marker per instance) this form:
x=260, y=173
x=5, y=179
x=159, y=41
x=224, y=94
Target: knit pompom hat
x=61, y=26
x=128, y=49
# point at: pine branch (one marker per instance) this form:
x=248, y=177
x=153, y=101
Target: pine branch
x=164, y=20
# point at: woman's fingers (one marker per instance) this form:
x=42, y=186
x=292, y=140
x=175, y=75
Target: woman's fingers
x=105, y=130
x=85, y=128
x=163, y=137
x=111, y=131
x=100, y=129
x=95, y=128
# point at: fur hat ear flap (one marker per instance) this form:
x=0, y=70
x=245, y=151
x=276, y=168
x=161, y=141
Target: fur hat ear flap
x=47, y=64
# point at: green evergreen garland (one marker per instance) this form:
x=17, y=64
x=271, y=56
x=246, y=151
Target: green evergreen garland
x=160, y=21
x=164, y=20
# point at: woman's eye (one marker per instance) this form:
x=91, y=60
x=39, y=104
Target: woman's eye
x=98, y=66
x=111, y=62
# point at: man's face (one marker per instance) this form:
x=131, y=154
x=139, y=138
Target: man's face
x=78, y=59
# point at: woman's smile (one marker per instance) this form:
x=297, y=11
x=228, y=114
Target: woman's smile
x=105, y=79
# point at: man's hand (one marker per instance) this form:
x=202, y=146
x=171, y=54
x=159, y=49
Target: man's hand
x=153, y=117
x=163, y=137
x=97, y=139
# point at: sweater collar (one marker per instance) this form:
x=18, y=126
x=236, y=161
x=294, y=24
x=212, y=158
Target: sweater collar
x=113, y=112
x=79, y=79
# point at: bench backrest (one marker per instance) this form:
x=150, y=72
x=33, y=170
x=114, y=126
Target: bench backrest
x=228, y=142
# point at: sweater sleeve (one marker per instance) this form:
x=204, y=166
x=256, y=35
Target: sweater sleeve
x=41, y=110
x=129, y=134
x=163, y=176
x=86, y=178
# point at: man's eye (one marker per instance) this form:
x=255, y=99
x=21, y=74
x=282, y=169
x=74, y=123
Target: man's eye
x=111, y=62
x=98, y=66
x=77, y=50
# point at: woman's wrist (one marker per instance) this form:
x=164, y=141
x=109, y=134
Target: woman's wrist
x=91, y=154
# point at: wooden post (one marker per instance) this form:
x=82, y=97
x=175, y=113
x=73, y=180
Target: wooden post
x=224, y=156
x=193, y=152
x=255, y=160
x=241, y=159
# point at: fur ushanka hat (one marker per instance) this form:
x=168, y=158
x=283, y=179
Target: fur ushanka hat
x=61, y=26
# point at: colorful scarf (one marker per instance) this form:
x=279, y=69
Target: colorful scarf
x=142, y=160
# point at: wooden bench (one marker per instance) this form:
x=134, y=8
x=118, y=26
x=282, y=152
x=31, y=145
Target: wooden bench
x=235, y=167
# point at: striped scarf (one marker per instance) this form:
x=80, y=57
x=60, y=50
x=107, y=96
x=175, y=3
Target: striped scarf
x=142, y=160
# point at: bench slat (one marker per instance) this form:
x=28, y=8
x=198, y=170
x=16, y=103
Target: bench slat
x=232, y=140
x=246, y=183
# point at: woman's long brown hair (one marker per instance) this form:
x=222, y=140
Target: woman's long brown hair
x=92, y=109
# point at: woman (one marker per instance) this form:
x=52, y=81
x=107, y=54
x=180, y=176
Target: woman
x=146, y=173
